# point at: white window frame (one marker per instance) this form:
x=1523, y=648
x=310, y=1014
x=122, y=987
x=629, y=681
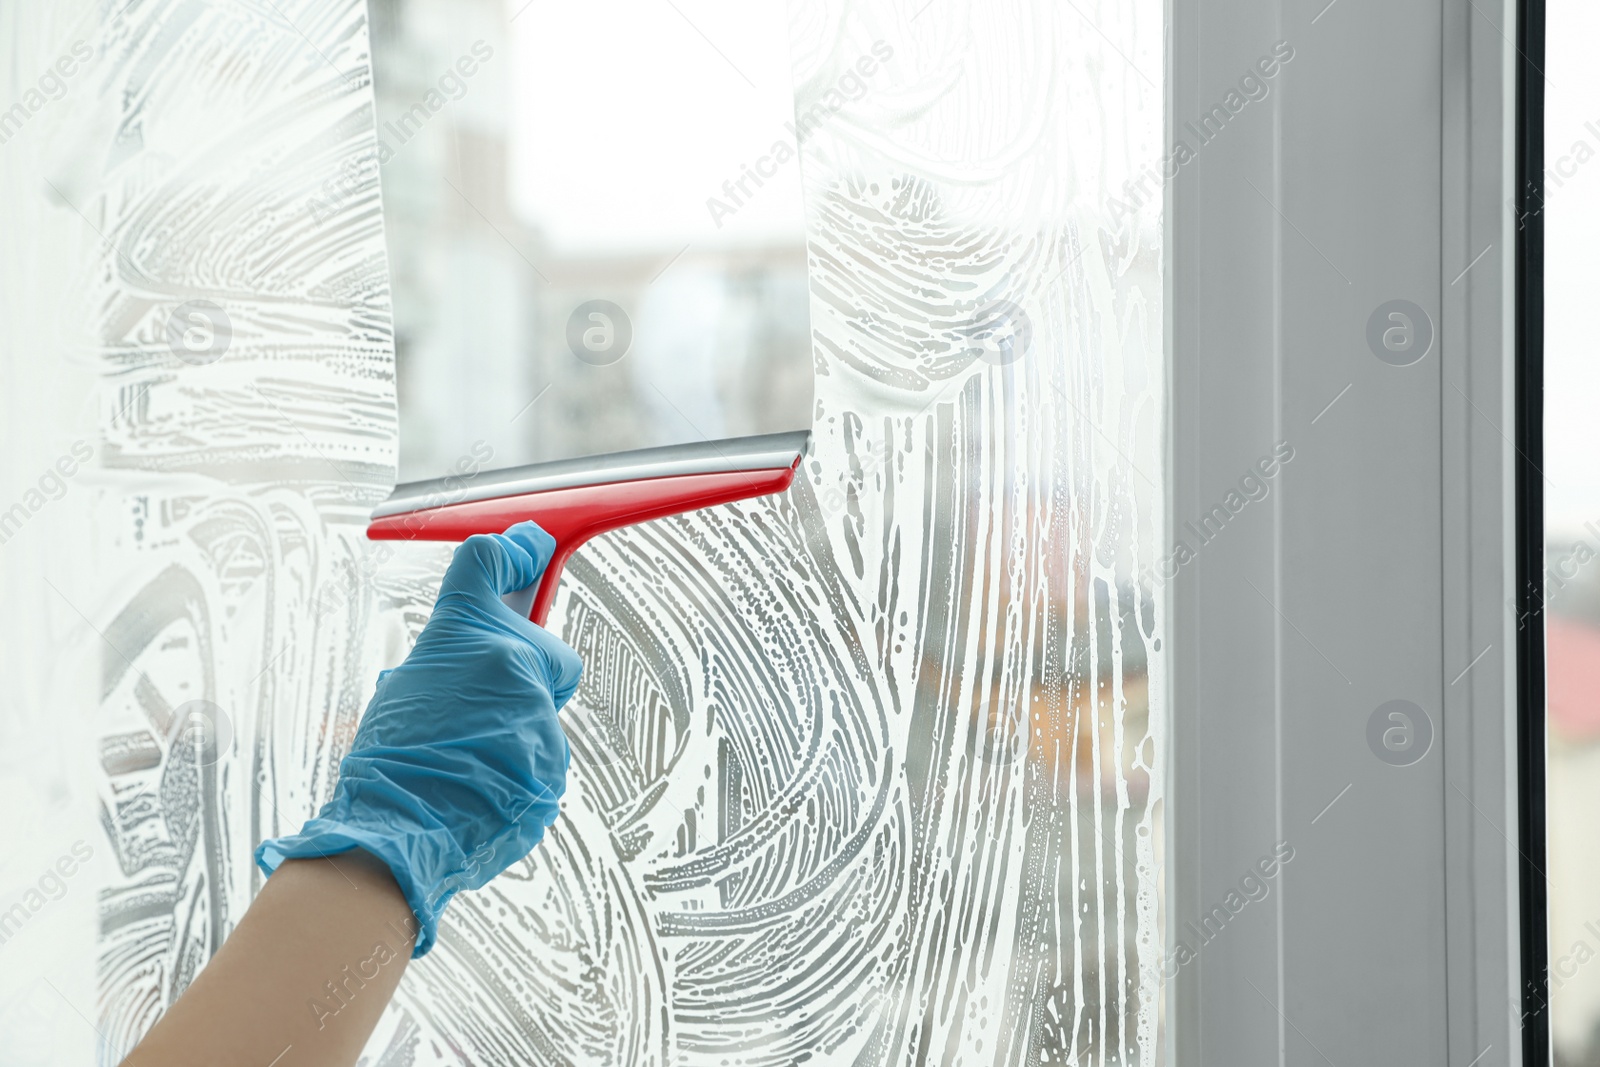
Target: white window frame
x=1392, y=559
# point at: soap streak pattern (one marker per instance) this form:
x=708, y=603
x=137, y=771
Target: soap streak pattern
x=788, y=833
x=236, y=488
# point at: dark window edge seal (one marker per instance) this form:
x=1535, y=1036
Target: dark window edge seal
x=1529, y=436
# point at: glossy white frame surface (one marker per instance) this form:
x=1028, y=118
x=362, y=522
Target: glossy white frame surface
x=1378, y=167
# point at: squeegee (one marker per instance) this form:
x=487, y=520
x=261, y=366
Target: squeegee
x=575, y=499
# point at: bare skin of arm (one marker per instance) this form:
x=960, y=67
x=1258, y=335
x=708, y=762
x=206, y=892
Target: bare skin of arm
x=303, y=978
x=435, y=764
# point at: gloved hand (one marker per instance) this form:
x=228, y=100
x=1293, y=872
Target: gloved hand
x=459, y=762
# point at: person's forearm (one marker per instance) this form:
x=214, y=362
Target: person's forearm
x=448, y=782
x=302, y=980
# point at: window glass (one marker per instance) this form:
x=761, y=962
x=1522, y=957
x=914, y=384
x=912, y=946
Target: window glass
x=870, y=772
x=1572, y=522
x=595, y=226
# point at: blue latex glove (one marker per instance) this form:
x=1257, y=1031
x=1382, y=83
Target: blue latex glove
x=459, y=762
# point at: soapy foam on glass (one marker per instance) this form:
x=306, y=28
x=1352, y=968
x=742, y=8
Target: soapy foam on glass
x=870, y=771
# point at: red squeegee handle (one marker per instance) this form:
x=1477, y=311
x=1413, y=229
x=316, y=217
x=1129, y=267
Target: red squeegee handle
x=574, y=514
